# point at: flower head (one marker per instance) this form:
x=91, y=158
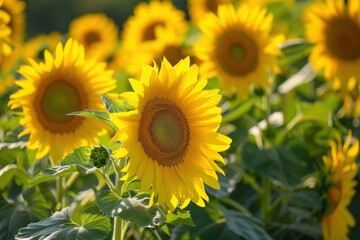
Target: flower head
x=51, y=89
x=236, y=45
x=96, y=32
x=171, y=135
x=342, y=167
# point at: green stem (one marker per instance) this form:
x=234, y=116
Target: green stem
x=119, y=227
x=60, y=192
x=266, y=199
x=236, y=205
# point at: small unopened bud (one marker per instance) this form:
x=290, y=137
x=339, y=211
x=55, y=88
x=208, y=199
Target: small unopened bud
x=99, y=156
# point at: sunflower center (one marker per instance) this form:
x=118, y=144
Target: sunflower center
x=91, y=37
x=343, y=38
x=211, y=5
x=237, y=53
x=172, y=53
x=164, y=132
x=149, y=31
x=54, y=101
x=334, y=195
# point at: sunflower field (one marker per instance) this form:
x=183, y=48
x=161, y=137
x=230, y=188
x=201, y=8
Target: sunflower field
x=183, y=119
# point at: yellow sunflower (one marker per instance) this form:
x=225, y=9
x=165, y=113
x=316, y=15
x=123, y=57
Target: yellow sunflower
x=62, y=84
x=237, y=46
x=342, y=168
x=142, y=27
x=16, y=10
x=169, y=45
x=5, y=32
x=97, y=32
x=171, y=137
x=334, y=28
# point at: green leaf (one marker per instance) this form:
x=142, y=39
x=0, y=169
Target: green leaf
x=97, y=115
x=241, y=109
x=278, y=163
x=318, y=111
x=245, y=226
x=10, y=152
x=35, y=204
x=10, y=172
x=77, y=161
x=179, y=217
x=90, y=226
x=133, y=209
x=113, y=106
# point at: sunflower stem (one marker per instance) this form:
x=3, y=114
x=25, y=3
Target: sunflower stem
x=60, y=192
x=266, y=199
x=120, y=228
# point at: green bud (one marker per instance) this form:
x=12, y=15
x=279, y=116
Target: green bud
x=99, y=156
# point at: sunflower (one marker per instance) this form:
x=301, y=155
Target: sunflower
x=5, y=32
x=171, y=135
x=169, y=45
x=16, y=11
x=236, y=45
x=62, y=84
x=341, y=166
x=96, y=32
x=334, y=28
x=141, y=28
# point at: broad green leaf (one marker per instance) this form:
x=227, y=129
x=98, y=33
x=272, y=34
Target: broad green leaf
x=245, y=226
x=320, y=112
x=11, y=172
x=36, y=204
x=113, y=105
x=179, y=217
x=77, y=161
x=97, y=115
x=133, y=209
x=10, y=152
x=61, y=225
x=278, y=163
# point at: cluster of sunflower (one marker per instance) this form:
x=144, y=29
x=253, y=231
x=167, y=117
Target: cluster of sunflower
x=228, y=119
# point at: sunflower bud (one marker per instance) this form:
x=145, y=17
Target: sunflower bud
x=99, y=156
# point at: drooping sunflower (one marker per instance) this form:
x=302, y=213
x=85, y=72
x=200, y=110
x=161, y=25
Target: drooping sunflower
x=237, y=46
x=141, y=28
x=334, y=28
x=16, y=11
x=5, y=32
x=342, y=168
x=171, y=136
x=97, y=32
x=62, y=84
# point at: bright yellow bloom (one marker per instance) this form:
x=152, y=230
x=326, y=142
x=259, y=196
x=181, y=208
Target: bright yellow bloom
x=334, y=28
x=141, y=28
x=64, y=83
x=342, y=167
x=168, y=44
x=171, y=135
x=97, y=32
x=16, y=10
x=237, y=46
